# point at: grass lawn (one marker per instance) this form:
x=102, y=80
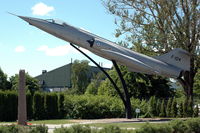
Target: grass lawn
x=122, y=125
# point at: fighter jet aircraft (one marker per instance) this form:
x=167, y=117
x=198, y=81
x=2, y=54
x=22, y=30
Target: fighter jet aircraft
x=172, y=64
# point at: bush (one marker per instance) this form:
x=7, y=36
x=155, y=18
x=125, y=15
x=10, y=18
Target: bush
x=111, y=129
x=194, y=125
x=162, y=109
x=177, y=126
x=38, y=106
x=39, y=129
x=23, y=129
x=87, y=129
x=168, y=109
x=148, y=128
x=196, y=111
x=74, y=129
x=93, y=107
x=8, y=105
x=61, y=111
x=180, y=110
x=51, y=106
x=29, y=103
x=174, y=108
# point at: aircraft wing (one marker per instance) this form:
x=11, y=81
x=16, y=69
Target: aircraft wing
x=133, y=64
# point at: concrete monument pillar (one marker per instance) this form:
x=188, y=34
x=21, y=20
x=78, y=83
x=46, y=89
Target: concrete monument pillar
x=22, y=114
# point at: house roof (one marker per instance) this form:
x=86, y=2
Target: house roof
x=61, y=77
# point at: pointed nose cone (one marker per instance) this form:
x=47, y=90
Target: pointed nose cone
x=27, y=19
x=32, y=21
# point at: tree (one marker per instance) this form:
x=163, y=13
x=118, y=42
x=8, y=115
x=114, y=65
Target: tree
x=158, y=107
x=80, y=77
x=4, y=84
x=180, y=110
x=32, y=84
x=92, y=88
x=162, y=109
x=139, y=85
x=155, y=27
x=168, y=109
x=174, y=108
x=190, y=107
x=152, y=106
x=197, y=85
x=196, y=111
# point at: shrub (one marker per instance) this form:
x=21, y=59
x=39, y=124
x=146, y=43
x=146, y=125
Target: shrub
x=174, y=108
x=158, y=107
x=180, y=110
x=152, y=106
x=162, y=109
x=148, y=128
x=38, y=106
x=8, y=105
x=61, y=110
x=168, y=109
x=179, y=126
x=196, y=111
x=185, y=108
x=111, y=129
x=74, y=129
x=39, y=129
x=190, y=107
x=51, y=105
x=194, y=125
x=93, y=107
x=23, y=129
x=29, y=103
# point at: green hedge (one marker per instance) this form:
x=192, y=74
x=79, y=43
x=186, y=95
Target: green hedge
x=21, y=129
x=87, y=129
x=57, y=105
x=93, y=107
x=38, y=106
x=51, y=106
x=176, y=126
x=8, y=105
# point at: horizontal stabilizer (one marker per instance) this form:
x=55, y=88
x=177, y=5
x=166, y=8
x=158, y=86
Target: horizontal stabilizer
x=177, y=57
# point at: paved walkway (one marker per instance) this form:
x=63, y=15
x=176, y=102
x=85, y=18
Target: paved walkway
x=51, y=127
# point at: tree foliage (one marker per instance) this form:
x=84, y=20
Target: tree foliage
x=32, y=84
x=139, y=85
x=155, y=27
x=80, y=77
x=4, y=84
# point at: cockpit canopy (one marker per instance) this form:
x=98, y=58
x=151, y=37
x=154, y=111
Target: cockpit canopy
x=56, y=21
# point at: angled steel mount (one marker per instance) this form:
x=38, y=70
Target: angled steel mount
x=126, y=100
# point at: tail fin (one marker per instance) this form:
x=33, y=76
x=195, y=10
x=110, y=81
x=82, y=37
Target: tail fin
x=177, y=57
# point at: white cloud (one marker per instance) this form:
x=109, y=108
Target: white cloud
x=20, y=49
x=41, y=9
x=61, y=50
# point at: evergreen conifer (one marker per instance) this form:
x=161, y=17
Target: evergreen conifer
x=162, y=109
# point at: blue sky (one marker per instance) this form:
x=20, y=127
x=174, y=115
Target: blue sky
x=25, y=47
